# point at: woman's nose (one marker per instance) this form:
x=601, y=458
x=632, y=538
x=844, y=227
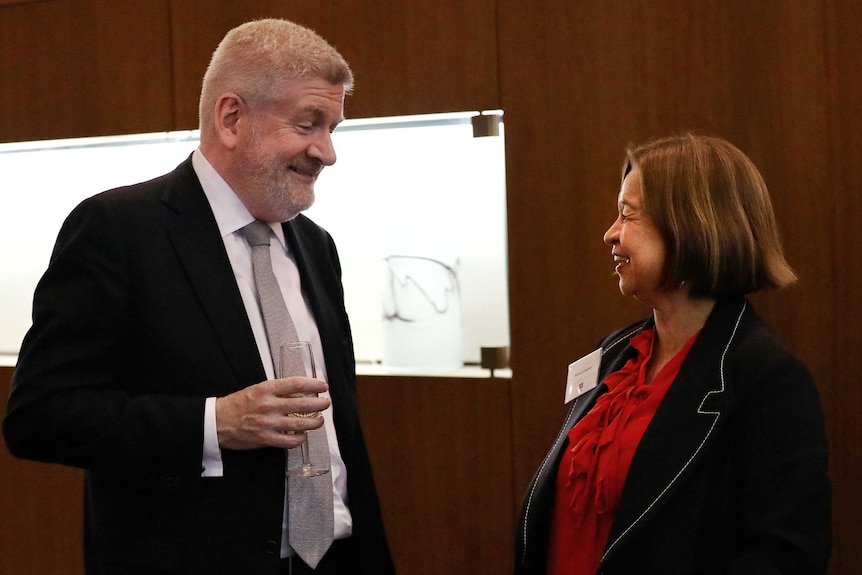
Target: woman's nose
x=612, y=233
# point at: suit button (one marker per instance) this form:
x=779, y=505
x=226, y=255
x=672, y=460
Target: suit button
x=270, y=547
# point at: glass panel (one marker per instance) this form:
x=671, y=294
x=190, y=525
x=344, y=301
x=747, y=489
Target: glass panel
x=416, y=206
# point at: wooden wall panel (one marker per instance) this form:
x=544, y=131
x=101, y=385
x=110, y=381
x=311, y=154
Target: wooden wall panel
x=84, y=68
x=408, y=57
x=774, y=78
x=42, y=516
x=842, y=195
x=442, y=454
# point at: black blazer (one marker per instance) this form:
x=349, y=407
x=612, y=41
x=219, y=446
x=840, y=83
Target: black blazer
x=730, y=476
x=137, y=320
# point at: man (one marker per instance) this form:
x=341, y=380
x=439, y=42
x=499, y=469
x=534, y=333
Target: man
x=149, y=365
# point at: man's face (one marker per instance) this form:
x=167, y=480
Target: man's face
x=284, y=146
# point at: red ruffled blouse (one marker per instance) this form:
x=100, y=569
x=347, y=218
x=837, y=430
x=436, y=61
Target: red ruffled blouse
x=594, y=466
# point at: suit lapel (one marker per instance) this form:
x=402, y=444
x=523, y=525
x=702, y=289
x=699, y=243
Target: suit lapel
x=318, y=286
x=196, y=238
x=303, y=251
x=681, y=429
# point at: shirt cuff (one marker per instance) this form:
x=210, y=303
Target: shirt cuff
x=211, y=466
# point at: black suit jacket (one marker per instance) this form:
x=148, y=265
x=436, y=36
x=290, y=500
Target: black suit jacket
x=730, y=475
x=137, y=320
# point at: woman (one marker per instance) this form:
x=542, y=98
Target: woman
x=702, y=450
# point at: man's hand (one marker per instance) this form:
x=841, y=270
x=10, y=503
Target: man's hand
x=259, y=415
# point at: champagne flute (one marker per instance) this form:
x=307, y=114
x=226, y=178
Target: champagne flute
x=295, y=358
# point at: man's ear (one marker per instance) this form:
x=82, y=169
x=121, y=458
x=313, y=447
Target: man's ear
x=229, y=110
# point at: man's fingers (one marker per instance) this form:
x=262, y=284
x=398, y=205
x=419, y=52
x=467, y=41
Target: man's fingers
x=287, y=386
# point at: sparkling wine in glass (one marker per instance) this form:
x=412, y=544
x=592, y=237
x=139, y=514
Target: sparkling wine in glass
x=296, y=358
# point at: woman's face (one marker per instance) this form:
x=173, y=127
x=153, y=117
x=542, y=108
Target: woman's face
x=636, y=244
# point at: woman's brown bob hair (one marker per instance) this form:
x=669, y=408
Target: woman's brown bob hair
x=713, y=210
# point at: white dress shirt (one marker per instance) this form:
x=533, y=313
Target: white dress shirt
x=231, y=216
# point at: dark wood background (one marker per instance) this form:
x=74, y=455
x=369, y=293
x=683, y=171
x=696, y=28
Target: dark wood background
x=577, y=80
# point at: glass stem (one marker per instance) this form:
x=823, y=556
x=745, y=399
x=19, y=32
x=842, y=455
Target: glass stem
x=306, y=459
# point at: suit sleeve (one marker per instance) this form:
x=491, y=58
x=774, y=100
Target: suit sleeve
x=785, y=488
x=76, y=397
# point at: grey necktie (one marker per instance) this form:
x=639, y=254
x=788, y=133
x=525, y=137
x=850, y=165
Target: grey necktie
x=310, y=518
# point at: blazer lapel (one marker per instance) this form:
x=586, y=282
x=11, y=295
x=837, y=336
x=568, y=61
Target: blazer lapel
x=682, y=427
x=317, y=286
x=197, y=241
x=303, y=251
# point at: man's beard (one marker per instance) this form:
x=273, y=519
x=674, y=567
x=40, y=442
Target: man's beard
x=273, y=182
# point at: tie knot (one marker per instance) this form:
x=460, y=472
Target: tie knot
x=256, y=233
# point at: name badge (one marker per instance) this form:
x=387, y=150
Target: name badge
x=583, y=375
